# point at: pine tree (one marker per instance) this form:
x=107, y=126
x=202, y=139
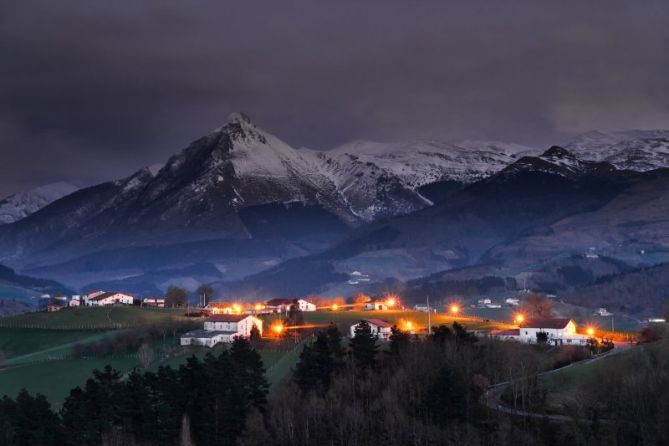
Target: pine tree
x=441, y=334
x=363, y=347
x=251, y=370
x=446, y=398
x=35, y=423
x=399, y=340
x=8, y=413
x=316, y=366
x=335, y=344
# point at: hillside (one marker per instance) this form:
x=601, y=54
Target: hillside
x=19, y=287
x=642, y=292
x=489, y=223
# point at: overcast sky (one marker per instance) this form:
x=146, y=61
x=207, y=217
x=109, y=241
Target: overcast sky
x=93, y=90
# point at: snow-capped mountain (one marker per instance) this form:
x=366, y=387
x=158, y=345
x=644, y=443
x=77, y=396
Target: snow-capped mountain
x=20, y=205
x=558, y=161
x=383, y=179
x=638, y=150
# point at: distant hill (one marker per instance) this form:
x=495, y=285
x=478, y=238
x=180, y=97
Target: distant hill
x=19, y=287
x=643, y=291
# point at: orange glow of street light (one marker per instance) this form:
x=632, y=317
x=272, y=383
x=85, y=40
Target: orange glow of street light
x=259, y=307
x=590, y=331
x=454, y=309
x=519, y=318
x=236, y=308
x=277, y=328
x=391, y=301
x=335, y=307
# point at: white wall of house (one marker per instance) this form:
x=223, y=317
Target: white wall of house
x=117, y=298
x=557, y=336
x=382, y=333
x=375, y=306
x=304, y=305
x=242, y=328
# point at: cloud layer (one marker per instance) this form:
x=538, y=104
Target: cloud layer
x=93, y=90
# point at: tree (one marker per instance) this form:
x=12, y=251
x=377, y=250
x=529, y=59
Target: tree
x=335, y=345
x=317, y=364
x=441, y=334
x=360, y=300
x=363, y=347
x=399, y=340
x=462, y=335
x=205, y=292
x=249, y=366
x=35, y=422
x=255, y=338
x=537, y=305
x=145, y=355
x=295, y=316
x=446, y=398
x=175, y=296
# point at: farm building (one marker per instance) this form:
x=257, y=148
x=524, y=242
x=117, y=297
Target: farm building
x=506, y=335
x=53, y=308
x=223, y=308
x=283, y=305
x=156, y=302
x=380, y=328
x=222, y=328
x=103, y=299
x=376, y=305
x=560, y=331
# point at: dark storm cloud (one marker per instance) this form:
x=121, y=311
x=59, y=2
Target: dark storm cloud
x=93, y=90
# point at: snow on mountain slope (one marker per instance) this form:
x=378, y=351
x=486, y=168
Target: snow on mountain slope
x=381, y=179
x=421, y=162
x=639, y=150
x=20, y=205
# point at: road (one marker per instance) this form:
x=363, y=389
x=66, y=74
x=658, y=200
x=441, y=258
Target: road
x=493, y=396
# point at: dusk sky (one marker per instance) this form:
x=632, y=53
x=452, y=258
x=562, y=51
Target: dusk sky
x=91, y=91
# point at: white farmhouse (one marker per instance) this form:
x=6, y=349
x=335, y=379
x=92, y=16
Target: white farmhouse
x=560, y=331
x=376, y=305
x=90, y=295
x=104, y=299
x=381, y=329
x=283, y=305
x=222, y=328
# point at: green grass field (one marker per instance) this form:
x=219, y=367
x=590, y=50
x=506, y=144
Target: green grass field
x=92, y=318
x=18, y=341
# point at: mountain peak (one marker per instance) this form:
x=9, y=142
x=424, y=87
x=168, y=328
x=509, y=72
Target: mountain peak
x=239, y=118
x=557, y=152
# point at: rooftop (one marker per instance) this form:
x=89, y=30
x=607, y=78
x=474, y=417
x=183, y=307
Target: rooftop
x=556, y=323
x=227, y=318
x=379, y=323
x=208, y=334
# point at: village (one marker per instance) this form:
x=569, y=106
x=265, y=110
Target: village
x=225, y=321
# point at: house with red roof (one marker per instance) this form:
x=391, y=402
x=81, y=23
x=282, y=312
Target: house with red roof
x=559, y=331
x=380, y=328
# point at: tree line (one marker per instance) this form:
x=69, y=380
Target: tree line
x=430, y=390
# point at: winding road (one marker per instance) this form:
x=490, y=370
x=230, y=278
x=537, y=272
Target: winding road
x=493, y=396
